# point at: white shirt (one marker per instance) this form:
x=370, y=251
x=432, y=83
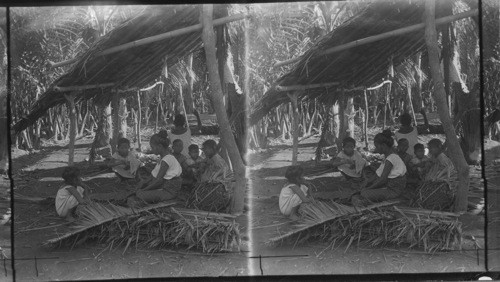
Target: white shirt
x=186, y=140
x=398, y=166
x=288, y=199
x=412, y=138
x=65, y=200
x=174, y=167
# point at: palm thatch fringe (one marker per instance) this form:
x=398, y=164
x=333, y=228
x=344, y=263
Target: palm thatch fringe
x=319, y=213
x=153, y=227
x=384, y=225
x=95, y=214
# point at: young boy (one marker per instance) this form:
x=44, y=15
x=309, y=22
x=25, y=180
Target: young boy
x=71, y=194
x=124, y=161
x=177, y=147
x=419, y=162
x=442, y=167
x=194, y=160
x=349, y=161
x=294, y=193
x=215, y=168
x=402, y=149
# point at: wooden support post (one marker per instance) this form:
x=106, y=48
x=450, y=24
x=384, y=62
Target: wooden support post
x=295, y=126
x=388, y=92
x=139, y=119
x=216, y=96
x=455, y=150
x=157, y=111
x=115, y=108
x=365, y=121
x=70, y=98
x=410, y=101
x=350, y=113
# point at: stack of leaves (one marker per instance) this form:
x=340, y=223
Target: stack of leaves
x=376, y=226
x=155, y=226
x=209, y=196
x=434, y=195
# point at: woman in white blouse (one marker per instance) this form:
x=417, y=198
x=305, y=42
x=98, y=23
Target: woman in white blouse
x=390, y=179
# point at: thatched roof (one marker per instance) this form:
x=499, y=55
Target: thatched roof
x=135, y=67
x=365, y=65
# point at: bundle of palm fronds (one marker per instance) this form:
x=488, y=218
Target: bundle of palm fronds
x=153, y=227
x=434, y=195
x=209, y=196
x=377, y=225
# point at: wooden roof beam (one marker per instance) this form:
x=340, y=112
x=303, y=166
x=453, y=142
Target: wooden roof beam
x=82, y=87
x=156, y=38
x=378, y=37
x=305, y=87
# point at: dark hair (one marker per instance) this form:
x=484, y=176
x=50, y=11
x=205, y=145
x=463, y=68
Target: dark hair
x=418, y=146
x=348, y=140
x=123, y=141
x=161, y=138
x=403, y=140
x=293, y=173
x=179, y=120
x=384, y=138
x=435, y=143
x=70, y=173
x=210, y=143
x=176, y=141
x=405, y=119
x=193, y=147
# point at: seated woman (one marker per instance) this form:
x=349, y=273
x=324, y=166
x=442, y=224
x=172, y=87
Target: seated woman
x=215, y=167
x=166, y=182
x=181, y=131
x=441, y=167
x=408, y=132
x=390, y=179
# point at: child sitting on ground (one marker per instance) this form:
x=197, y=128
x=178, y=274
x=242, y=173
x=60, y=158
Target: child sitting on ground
x=194, y=161
x=419, y=162
x=124, y=161
x=214, y=168
x=402, y=149
x=442, y=167
x=177, y=147
x=349, y=161
x=71, y=194
x=294, y=193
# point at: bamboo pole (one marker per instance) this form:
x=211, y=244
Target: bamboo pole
x=82, y=87
x=72, y=126
x=385, y=35
x=156, y=38
x=305, y=87
x=456, y=153
x=295, y=126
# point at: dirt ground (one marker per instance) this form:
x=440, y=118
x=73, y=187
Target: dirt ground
x=38, y=175
x=267, y=179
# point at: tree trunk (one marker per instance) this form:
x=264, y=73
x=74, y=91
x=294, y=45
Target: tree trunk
x=342, y=119
x=115, y=109
x=123, y=118
x=295, y=126
x=456, y=153
x=410, y=102
x=208, y=38
x=350, y=113
x=139, y=118
x=189, y=93
x=386, y=101
x=365, y=121
x=72, y=127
